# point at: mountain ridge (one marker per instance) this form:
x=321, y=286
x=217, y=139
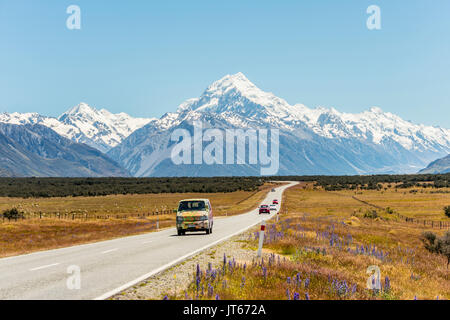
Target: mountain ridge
x=325, y=141
x=36, y=150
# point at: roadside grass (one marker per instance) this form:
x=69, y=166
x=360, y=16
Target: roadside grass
x=113, y=205
x=29, y=235
x=314, y=254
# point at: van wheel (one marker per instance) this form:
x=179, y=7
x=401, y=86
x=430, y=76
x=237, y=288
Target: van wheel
x=180, y=232
x=208, y=231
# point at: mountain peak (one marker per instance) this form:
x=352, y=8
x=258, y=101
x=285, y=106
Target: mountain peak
x=82, y=107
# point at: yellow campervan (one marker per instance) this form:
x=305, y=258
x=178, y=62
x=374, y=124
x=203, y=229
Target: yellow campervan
x=194, y=215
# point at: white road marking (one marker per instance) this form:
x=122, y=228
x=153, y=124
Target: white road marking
x=174, y=262
x=43, y=267
x=108, y=251
x=145, y=242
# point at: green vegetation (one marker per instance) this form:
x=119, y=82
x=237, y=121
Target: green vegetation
x=373, y=182
x=438, y=245
x=89, y=187
x=12, y=214
x=447, y=211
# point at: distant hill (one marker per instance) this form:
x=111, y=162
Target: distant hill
x=36, y=150
x=439, y=166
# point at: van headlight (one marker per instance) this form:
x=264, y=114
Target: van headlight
x=203, y=218
x=180, y=219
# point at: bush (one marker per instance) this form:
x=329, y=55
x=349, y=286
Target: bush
x=372, y=214
x=438, y=245
x=11, y=214
x=447, y=211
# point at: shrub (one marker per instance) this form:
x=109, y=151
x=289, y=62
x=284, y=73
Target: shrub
x=11, y=214
x=447, y=211
x=372, y=214
x=438, y=245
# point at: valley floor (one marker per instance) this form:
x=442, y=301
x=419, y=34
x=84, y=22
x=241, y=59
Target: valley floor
x=60, y=222
x=321, y=248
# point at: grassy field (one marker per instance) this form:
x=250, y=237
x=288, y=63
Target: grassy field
x=323, y=245
x=24, y=236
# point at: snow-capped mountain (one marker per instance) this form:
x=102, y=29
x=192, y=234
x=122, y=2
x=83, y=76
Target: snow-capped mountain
x=84, y=124
x=36, y=150
x=312, y=141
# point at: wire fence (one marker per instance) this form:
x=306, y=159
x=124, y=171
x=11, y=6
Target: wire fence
x=426, y=223
x=82, y=216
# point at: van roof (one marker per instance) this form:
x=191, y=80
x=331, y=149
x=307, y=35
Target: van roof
x=194, y=200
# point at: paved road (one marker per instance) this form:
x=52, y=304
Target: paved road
x=108, y=267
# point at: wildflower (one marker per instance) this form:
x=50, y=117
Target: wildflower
x=354, y=289
x=166, y=297
x=296, y=296
x=210, y=290
x=186, y=295
x=243, y=282
x=217, y=297
x=387, y=284
x=288, y=280
x=307, y=296
x=307, y=283
x=245, y=266
x=287, y=294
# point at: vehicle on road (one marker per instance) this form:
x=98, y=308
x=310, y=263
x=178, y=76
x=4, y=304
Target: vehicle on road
x=273, y=190
x=273, y=207
x=275, y=201
x=194, y=215
x=264, y=208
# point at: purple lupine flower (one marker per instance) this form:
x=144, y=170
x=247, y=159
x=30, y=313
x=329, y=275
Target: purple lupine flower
x=288, y=280
x=354, y=289
x=166, y=297
x=243, y=282
x=186, y=295
x=224, y=259
x=217, y=297
x=387, y=284
x=198, y=271
x=245, y=266
x=307, y=296
x=264, y=272
x=288, y=295
x=296, y=296
x=210, y=290
x=307, y=283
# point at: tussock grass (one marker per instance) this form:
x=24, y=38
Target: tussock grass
x=312, y=253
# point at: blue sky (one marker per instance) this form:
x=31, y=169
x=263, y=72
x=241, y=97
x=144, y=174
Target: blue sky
x=146, y=57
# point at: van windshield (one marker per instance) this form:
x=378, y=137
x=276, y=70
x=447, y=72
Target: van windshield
x=191, y=206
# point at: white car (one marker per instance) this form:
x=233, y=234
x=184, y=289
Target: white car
x=273, y=207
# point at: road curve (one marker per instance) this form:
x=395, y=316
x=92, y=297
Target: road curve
x=107, y=267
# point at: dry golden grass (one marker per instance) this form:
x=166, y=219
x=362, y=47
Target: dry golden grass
x=300, y=244
x=24, y=236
